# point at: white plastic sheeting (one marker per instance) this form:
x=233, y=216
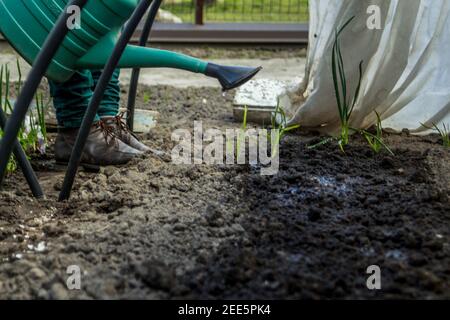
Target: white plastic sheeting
x=406, y=75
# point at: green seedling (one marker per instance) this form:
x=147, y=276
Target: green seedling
x=279, y=128
x=32, y=137
x=444, y=132
x=280, y=125
x=41, y=106
x=241, y=135
x=19, y=71
x=344, y=103
x=375, y=141
x=12, y=165
x=147, y=97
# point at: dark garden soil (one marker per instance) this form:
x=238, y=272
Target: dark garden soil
x=156, y=230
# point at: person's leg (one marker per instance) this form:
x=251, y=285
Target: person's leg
x=72, y=98
x=109, y=107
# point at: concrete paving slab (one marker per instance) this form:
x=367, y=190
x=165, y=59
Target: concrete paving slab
x=264, y=93
x=260, y=98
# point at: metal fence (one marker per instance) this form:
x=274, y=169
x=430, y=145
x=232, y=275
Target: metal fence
x=253, y=11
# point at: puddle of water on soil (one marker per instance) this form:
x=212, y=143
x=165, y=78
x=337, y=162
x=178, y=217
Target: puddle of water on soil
x=368, y=251
x=297, y=258
x=294, y=258
x=396, y=255
x=324, y=185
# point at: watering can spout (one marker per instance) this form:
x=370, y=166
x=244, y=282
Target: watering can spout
x=231, y=77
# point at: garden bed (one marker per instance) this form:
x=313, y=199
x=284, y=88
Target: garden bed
x=156, y=230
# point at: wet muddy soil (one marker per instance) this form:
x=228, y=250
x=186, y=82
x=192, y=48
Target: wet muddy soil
x=155, y=230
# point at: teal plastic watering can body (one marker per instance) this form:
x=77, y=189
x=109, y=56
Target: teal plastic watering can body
x=27, y=23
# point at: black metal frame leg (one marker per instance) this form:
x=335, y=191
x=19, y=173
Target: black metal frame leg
x=136, y=72
x=23, y=163
x=98, y=95
x=45, y=56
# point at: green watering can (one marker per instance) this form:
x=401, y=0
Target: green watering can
x=27, y=23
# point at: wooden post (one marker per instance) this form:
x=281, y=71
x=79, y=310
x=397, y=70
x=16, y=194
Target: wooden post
x=199, y=11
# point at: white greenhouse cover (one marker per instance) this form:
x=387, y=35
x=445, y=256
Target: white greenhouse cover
x=406, y=70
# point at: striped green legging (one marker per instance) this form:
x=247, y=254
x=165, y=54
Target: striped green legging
x=72, y=98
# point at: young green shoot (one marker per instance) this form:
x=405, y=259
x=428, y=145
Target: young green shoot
x=375, y=141
x=12, y=165
x=280, y=125
x=32, y=134
x=147, y=97
x=444, y=132
x=42, y=136
x=345, y=104
x=241, y=135
x=279, y=128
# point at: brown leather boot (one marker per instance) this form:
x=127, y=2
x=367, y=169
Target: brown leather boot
x=102, y=147
x=120, y=129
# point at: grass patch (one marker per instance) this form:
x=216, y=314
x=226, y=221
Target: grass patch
x=288, y=11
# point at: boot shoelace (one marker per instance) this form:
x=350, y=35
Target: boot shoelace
x=108, y=133
x=122, y=125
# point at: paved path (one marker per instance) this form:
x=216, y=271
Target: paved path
x=279, y=69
